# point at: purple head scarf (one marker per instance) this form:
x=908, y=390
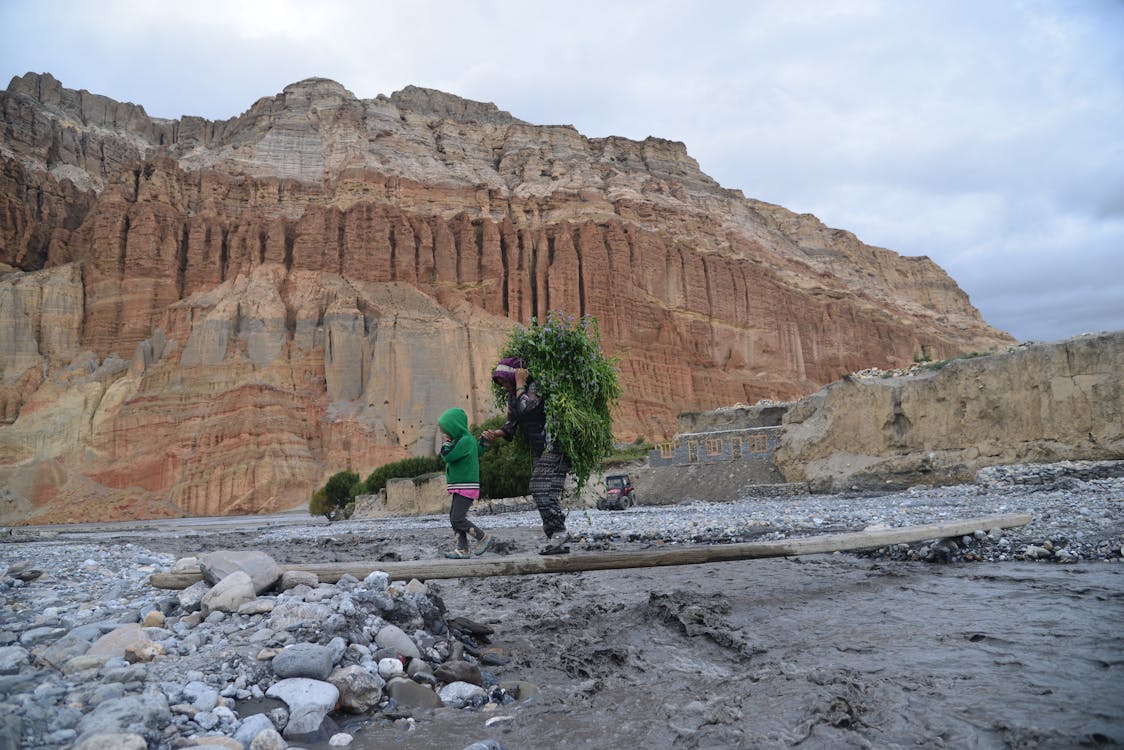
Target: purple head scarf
x=505, y=370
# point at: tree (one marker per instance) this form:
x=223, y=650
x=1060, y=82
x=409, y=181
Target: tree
x=335, y=498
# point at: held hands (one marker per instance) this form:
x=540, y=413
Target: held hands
x=522, y=375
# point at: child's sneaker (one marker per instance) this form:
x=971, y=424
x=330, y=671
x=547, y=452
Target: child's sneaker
x=483, y=544
x=458, y=554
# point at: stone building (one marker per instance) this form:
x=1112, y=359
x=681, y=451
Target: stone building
x=717, y=446
x=739, y=437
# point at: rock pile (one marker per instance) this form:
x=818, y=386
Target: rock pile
x=1068, y=527
x=91, y=657
x=1077, y=510
x=1063, y=474
x=921, y=366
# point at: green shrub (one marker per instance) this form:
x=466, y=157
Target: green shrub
x=407, y=468
x=335, y=499
x=505, y=467
x=318, y=505
x=634, y=451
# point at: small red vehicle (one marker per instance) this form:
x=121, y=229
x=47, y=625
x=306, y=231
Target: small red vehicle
x=619, y=493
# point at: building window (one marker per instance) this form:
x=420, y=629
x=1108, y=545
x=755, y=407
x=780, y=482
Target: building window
x=756, y=443
x=692, y=451
x=735, y=448
x=667, y=450
x=714, y=446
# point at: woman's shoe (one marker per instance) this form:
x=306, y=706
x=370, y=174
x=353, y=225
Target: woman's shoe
x=556, y=544
x=483, y=544
x=458, y=554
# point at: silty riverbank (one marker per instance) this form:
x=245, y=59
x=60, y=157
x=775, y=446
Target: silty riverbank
x=991, y=638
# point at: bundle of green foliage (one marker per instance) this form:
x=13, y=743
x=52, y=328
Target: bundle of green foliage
x=407, y=468
x=578, y=382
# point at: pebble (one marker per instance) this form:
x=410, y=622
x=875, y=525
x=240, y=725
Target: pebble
x=172, y=668
x=85, y=662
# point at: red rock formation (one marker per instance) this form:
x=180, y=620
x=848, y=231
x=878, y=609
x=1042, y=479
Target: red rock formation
x=304, y=288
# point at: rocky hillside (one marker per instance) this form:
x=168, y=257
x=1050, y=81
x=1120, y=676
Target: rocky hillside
x=1041, y=403
x=211, y=317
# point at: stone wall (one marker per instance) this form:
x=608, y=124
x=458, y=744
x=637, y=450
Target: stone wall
x=1048, y=475
x=740, y=416
x=420, y=496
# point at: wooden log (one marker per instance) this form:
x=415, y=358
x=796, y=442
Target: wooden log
x=670, y=555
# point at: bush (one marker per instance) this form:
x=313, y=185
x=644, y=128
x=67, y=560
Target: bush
x=407, y=468
x=634, y=451
x=505, y=467
x=334, y=499
x=318, y=505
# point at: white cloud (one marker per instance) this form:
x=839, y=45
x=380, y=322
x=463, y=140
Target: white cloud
x=985, y=135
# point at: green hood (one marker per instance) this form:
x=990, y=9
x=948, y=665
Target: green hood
x=454, y=422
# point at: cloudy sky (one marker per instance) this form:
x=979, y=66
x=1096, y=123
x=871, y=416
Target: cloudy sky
x=985, y=134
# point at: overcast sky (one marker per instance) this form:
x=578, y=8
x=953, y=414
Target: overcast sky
x=985, y=134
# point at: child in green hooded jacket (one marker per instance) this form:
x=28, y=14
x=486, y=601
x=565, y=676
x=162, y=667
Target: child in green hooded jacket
x=461, y=454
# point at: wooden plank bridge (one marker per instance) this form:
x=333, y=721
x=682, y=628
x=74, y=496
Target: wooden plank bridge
x=513, y=565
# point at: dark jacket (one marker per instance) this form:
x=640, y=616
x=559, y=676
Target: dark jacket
x=528, y=410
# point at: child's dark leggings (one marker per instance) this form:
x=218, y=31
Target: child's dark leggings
x=458, y=518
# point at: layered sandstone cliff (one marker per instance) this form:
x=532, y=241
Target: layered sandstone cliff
x=211, y=317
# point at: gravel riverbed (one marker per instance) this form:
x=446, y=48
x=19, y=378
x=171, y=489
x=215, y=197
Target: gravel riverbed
x=997, y=638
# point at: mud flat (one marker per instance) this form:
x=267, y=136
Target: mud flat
x=995, y=639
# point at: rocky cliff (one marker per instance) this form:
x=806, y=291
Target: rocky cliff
x=1043, y=403
x=211, y=317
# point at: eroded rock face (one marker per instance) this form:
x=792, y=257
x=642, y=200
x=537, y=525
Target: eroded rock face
x=1047, y=402
x=305, y=287
x=244, y=395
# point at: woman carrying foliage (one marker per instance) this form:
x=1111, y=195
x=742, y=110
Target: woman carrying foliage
x=564, y=408
x=526, y=408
